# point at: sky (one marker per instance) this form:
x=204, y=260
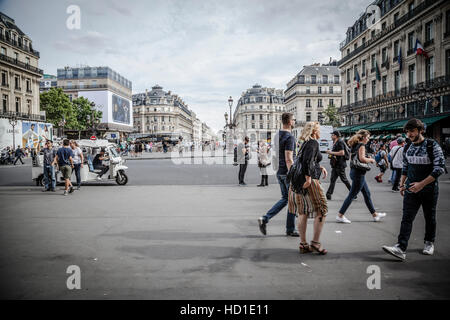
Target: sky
x=202, y=50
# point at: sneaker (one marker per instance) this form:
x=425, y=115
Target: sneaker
x=379, y=216
x=328, y=196
x=429, y=248
x=45, y=190
x=71, y=189
x=52, y=190
x=262, y=225
x=395, y=251
x=395, y=190
x=342, y=220
x=99, y=178
x=292, y=234
x=78, y=188
x=66, y=193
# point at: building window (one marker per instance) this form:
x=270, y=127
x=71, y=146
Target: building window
x=261, y=125
x=308, y=116
x=447, y=62
x=397, y=82
x=253, y=117
x=336, y=79
x=260, y=117
x=319, y=90
x=348, y=76
x=325, y=79
x=364, y=68
x=5, y=103
x=428, y=32
x=355, y=94
x=17, y=82
x=396, y=17
x=4, y=51
x=29, y=106
x=319, y=103
x=308, y=90
x=373, y=60
x=348, y=96
x=384, y=84
x=374, y=88
x=28, y=85
x=308, y=103
x=429, y=69
x=313, y=79
x=383, y=55
x=396, y=49
x=4, y=78
x=411, y=42
x=331, y=90
x=447, y=22
x=411, y=75
x=364, y=92
x=17, y=104
x=253, y=126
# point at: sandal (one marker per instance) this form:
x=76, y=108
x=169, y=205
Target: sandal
x=317, y=246
x=304, y=247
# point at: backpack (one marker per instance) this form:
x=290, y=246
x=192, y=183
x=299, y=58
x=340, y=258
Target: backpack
x=378, y=157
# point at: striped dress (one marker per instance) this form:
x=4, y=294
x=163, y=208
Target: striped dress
x=313, y=203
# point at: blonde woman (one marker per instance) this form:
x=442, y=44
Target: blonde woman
x=357, y=144
x=311, y=203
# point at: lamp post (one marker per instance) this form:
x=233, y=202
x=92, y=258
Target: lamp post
x=61, y=123
x=230, y=125
x=421, y=95
x=13, y=123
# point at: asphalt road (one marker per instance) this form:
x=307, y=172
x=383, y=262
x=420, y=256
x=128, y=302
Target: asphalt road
x=166, y=238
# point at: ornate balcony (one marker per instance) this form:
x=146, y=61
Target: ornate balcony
x=20, y=64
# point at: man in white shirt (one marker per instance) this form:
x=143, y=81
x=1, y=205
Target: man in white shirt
x=78, y=160
x=397, y=162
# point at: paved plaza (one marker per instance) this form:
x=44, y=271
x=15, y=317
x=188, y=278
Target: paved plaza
x=189, y=232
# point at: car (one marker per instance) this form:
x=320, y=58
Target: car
x=325, y=141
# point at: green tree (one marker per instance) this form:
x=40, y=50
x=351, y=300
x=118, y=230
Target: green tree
x=58, y=108
x=332, y=116
x=86, y=113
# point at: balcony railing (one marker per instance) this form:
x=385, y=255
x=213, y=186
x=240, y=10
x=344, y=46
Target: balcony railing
x=19, y=45
x=410, y=51
x=400, y=21
x=22, y=115
x=403, y=92
x=428, y=43
x=20, y=64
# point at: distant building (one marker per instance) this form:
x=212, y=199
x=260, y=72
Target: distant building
x=311, y=91
x=47, y=82
x=258, y=113
x=110, y=92
x=161, y=115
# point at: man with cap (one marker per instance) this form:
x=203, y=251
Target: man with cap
x=337, y=162
x=397, y=162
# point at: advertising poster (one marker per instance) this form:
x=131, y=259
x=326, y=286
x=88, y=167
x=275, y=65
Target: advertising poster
x=34, y=134
x=121, y=110
x=6, y=133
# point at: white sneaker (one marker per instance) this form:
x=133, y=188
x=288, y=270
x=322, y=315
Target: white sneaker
x=342, y=220
x=395, y=251
x=99, y=178
x=429, y=248
x=379, y=216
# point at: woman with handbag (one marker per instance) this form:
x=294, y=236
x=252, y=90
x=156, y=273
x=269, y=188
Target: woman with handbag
x=263, y=162
x=359, y=165
x=310, y=202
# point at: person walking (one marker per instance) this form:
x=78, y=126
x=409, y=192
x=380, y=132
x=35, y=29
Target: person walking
x=78, y=160
x=338, y=155
x=263, y=162
x=382, y=162
x=243, y=157
x=423, y=163
x=357, y=143
x=19, y=154
x=49, y=170
x=285, y=145
x=311, y=202
x=397, y=163
x=64, y=159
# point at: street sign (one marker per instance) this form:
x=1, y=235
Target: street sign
x=93, y=138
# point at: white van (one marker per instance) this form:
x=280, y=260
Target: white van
x=325, y=141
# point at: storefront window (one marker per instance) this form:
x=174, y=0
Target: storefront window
x=446, y=103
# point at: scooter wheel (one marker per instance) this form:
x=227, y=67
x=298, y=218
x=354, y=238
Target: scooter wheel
x=121, y=178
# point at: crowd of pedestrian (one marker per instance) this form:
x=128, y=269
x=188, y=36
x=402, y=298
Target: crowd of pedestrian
x=415, y=163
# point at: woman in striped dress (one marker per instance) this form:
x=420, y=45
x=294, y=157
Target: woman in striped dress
x=311, y=203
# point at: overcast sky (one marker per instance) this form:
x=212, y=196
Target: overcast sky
x=202, y=50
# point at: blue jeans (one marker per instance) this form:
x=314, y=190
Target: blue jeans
x=277, y=207
x=358, y=184
x=49, y=175
x=393, y=176
x=77, y=168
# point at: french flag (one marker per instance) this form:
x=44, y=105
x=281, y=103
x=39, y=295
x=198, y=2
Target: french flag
x=419, y=49
x=358, y=79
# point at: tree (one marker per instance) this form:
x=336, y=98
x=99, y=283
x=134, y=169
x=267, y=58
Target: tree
x=85, y=113
x=332, y=116
x=58, y=108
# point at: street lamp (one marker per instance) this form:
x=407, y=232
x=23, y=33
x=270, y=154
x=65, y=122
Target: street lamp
x=421, y=95
x=61, y=125
x=13, y=123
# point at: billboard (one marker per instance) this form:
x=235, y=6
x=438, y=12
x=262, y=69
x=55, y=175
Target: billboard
x=34, y=134
x=114, y=108
x=121, y=112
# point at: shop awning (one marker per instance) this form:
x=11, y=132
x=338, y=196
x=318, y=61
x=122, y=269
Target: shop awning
x=396, y=125
x=431, y=120
x=379, y=126
x=343, y=129
x=357, y=127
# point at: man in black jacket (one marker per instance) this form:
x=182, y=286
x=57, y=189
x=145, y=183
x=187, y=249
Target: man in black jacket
x=19, y=154
x=337, y=162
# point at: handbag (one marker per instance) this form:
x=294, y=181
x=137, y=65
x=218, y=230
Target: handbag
x=357, y=164
x=295, y=176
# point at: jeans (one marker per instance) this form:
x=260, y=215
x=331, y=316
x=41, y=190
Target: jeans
x=397, y=173
x=335, y=173
x=358, y=184
x=77, y=168
x=242, y=169
x=49, y=175
x=277, y=207
x=393, y=175
x=103, y=168
x=411, y=204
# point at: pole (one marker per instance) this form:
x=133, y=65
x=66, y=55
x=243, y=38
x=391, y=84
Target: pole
x=14, y=136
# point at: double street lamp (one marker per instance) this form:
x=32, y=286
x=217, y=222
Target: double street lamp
x=230, y=125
